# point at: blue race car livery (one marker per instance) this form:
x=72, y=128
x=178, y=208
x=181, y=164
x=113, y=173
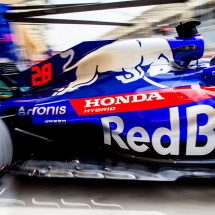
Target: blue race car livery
x=144, y=105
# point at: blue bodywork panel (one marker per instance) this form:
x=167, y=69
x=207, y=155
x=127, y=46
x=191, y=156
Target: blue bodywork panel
x=145, y=95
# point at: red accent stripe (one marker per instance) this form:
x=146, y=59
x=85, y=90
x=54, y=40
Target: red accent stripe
x=171, y=97
x=7, y=38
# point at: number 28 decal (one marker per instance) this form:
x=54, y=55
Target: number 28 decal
x=41, y=75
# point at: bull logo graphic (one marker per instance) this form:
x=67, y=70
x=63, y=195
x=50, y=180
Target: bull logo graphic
x=121, y=56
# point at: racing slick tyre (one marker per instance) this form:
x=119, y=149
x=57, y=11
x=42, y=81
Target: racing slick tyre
x=6, y=148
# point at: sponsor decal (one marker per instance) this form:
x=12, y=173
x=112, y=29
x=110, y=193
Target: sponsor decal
x=148, y=100
x=155, y=56
x=50, y=110
x=55, y=122
x=22, y=111
x=41, y=110
x=138, y=143
x=115, y=103
x=108, y=101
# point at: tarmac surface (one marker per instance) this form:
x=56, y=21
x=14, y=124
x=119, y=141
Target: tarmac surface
x=23, y=195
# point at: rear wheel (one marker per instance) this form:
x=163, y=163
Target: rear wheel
x=6, y=148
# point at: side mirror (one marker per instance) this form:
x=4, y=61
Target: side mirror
x=212, y=61
x=208, y=75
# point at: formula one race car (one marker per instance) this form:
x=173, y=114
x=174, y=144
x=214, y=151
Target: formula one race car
x=117, y=109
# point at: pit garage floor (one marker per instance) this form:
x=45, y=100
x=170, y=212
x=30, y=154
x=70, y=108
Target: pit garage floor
x=23, y=195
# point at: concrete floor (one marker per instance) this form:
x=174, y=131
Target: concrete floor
x=193, y=196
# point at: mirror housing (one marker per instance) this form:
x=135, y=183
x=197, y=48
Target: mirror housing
x=212, y=61
x=208, y=76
